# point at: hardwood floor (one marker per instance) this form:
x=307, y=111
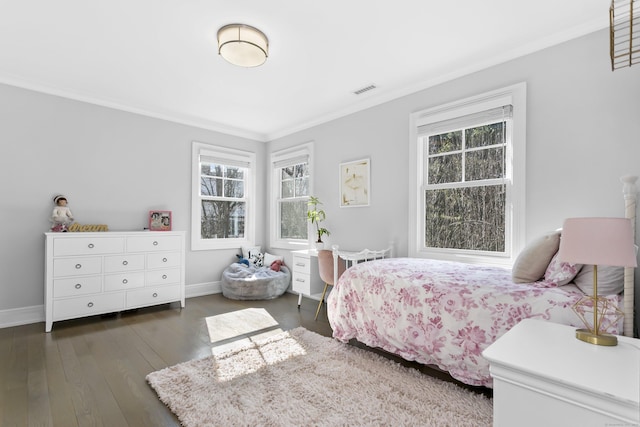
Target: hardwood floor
x=91, y=371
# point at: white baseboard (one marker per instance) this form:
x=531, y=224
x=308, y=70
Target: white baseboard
x=200, y=289
x=22, y=316
x=35, y=314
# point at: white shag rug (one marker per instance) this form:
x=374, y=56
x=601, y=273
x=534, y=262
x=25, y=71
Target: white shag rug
x=300, y=378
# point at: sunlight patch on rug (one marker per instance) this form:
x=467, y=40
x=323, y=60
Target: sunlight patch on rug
x=253, y=356
x=302, y=378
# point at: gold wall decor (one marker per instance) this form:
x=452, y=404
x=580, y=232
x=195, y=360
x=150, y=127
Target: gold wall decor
x=624, y=32
x=88, y=227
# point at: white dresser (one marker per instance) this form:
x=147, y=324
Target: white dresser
x=96, y=273
x=544, y=376
x=305, y=278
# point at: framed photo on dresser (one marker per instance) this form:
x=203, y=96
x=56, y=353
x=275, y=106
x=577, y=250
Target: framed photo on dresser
x=159, y=220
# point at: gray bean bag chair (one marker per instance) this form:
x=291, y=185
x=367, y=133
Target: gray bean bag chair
x=254, y=283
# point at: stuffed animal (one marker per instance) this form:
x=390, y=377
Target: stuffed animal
x=275, y=265
x=242, y=260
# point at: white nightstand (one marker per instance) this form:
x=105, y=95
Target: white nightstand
x=305, y=277
x=544, y=376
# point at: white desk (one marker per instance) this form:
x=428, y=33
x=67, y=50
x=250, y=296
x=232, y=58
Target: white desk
x=305, y=276
x=544, y=376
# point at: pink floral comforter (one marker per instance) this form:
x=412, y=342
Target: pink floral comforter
x=440, y=313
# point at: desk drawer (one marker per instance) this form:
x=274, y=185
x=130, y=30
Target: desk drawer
x=77, y=266
x=87, y=246
x=301, y=264
x=301, y=283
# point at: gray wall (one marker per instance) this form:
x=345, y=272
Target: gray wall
x=583, y=131
x=113, y=166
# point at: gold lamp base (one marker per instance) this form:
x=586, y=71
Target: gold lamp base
x=597, y=339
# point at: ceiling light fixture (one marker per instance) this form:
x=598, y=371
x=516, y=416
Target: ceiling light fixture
x=243, y=45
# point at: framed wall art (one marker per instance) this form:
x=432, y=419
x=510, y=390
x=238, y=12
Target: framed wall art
x=355, y=183
x=160, y=220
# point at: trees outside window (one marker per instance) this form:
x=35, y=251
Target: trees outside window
x=294, y=194
x=469, y=178
x=223, y=201
x=465, y=193
x=290, y=189
x=223, y=195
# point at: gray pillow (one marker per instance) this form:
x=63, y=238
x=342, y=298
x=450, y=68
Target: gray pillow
x=610, y=280
x=534, y=259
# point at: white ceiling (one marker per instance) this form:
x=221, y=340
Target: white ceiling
x=159, y=57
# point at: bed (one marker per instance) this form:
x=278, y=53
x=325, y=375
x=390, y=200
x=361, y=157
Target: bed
x=446, y=313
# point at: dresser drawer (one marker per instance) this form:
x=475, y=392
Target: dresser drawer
x=153, y=295
x=154, y=242
x=301, y=264
x=88, y=305
x=77, y=286
x=123, y=281
x=164, y=260
x=87, y=246
x=127, y=262
x=77, y=266
x=163, y=277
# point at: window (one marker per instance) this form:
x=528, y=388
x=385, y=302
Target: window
x=223, y=199
x=470, y=178
x=291, y=187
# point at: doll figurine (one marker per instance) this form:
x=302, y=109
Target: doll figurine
x=61, y=217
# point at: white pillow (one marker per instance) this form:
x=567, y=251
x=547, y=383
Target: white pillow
x=534, y=259
x=269, y=259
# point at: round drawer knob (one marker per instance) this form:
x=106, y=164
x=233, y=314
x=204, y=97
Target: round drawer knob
x=78, y=285
x=164, y=276
x=90, y=305
x=125, y=281
x=90, y=246
x=155, y=243
x=164, y=260
x=125, y=262
x=155, y=295
x=78, y=266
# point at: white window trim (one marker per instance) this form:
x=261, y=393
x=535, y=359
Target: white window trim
x=197, y=242
x=516, y=96
x=277, y=157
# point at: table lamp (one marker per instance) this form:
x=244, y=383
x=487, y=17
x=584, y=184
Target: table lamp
x=597, y=241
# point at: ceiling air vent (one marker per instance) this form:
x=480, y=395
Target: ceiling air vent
x=364, y=89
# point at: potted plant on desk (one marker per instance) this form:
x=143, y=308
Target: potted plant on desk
x=317, y=216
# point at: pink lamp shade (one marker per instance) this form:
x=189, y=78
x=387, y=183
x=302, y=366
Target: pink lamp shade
x=598, y=241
